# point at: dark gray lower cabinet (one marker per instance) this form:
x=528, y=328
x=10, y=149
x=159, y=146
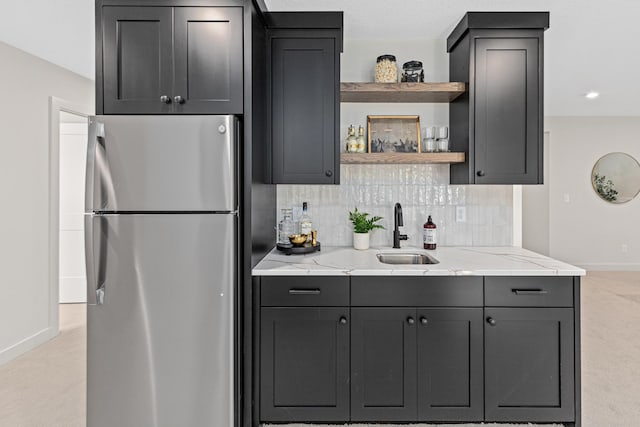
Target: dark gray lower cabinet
x=419, y=350
x=450, y=365
x=529, y=364
x=383, y=364
x=304, y=364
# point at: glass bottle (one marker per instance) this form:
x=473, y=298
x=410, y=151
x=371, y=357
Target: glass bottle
x=429, y=234
x=285, y=226
x=352, y=143
x=306, y=225
x=362, y=142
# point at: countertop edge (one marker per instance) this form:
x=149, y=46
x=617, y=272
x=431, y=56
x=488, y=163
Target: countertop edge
x=321, y=263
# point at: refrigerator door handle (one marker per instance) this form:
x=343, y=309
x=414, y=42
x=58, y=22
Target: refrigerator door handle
x=96, y=134
x=89, y=259
x=95, y=281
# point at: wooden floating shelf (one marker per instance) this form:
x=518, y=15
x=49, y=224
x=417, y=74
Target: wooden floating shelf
x=400, y=158
x=401, y=92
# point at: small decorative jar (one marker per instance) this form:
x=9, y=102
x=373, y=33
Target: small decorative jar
x=386, y=69
x=412, y=72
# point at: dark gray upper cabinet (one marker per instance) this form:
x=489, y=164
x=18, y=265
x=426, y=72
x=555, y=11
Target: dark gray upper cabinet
x=170, y=60
x=304, y=72
x=383, y=364
x=498, y=122
x=304, y=369
x=208, y=51
x=138, y=59
x=529, y=364
x=450, y=365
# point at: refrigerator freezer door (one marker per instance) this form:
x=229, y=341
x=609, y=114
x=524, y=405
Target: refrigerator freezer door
x=160, y=346
x=161, y=163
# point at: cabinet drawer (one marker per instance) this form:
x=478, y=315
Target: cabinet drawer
x=386, y=291
x=528, y=291
x=304, y=291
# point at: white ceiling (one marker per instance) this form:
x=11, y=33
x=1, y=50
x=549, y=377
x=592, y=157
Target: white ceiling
x=591, y=45
x=60, y=31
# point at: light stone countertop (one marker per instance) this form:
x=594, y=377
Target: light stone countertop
x=454, y=261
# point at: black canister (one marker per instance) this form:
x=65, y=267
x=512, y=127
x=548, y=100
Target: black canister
x=412, y=72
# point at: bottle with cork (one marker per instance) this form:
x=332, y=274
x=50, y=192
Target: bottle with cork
x=429, y=234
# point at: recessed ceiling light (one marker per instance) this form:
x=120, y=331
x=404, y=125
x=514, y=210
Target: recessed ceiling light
x=592, y=95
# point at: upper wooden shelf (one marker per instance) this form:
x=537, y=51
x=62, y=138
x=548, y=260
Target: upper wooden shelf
x=400, y=158
x=400, y=92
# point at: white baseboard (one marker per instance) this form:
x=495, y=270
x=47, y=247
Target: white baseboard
x=611, y=266
x=26, y=344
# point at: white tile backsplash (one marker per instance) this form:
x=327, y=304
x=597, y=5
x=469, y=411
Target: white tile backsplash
x=421, y=189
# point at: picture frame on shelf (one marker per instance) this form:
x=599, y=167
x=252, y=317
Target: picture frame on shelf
x=393, y=134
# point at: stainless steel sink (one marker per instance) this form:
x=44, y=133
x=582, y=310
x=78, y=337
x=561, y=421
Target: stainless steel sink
x=406, y=258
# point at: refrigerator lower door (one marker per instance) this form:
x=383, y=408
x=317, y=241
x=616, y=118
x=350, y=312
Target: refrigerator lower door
x=160, y=336
x=161, y=163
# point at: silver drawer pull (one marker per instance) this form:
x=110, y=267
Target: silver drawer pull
x=529, y=291
x=304, y=291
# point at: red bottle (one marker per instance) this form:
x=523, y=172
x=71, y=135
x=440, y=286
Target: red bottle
x=429, y=234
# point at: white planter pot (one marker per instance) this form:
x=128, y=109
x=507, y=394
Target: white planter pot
x=361, y=241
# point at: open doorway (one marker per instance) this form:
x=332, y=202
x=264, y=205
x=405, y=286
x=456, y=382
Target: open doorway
x=68, y=127
x=73, y=154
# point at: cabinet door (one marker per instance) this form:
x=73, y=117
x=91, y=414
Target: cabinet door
x=208, y=60
x=508, y=110
x=304, y=364
x=450, y=364
x=383, y=364
x=138, y=59
x=529, y=364
x=304, y=105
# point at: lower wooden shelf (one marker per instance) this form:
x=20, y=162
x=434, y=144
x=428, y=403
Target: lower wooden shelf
x=400, y=158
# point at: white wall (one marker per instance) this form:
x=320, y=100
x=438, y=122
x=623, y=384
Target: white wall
x=26, y=83
x=584, y=229
x=535, y=210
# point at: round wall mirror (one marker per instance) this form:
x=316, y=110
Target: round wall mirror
x=616, y=177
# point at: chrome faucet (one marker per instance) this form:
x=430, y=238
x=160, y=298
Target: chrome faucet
x=397, y=222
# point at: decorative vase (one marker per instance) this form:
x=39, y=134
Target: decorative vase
x=361, y=241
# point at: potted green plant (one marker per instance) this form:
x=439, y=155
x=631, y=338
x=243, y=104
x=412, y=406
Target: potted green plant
x=362, y=226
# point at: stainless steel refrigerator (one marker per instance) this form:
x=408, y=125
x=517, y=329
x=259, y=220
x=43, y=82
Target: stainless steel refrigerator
x=161, y=254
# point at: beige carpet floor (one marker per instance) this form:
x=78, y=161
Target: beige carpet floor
x=46, y=387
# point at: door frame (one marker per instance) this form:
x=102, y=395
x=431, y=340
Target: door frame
x=57, y=105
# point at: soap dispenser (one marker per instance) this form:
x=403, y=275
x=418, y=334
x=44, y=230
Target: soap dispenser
x=429, y=234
